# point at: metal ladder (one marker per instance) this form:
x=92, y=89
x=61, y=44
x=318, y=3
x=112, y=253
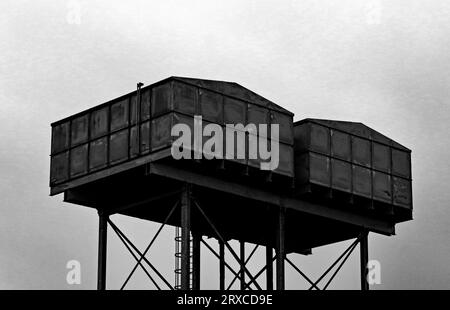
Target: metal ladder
x=178, y=256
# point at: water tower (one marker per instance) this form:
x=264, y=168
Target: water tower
x=334, y=180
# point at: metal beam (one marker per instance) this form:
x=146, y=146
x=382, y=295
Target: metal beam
x=185, y=236
x=269, y=269
x=149, y=245
x=245, y=264
x=102, y=249
x=230, y=249
x=221, y=265
x=364, y=254
x=196, y=261
x=280, y=248
x=242, y=264
x=125, y=241
x=373, y=224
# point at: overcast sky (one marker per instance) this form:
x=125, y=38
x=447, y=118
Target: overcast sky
x=383, y=63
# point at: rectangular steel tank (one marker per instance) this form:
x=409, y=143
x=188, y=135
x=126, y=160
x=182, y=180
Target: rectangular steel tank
x=353, y=159
x=125, y=128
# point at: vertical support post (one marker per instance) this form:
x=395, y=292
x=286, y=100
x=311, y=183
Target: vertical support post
x=242, y=264
x=269, y=269
x=364, y=253
x=185, y=236
x=280, y=249
x=196, y=261
x=102, y=249
x=221, y=266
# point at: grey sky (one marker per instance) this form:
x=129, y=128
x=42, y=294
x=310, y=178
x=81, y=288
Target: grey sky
x=383, y=63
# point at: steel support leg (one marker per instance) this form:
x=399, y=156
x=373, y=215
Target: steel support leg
x=364, y=251
x=196, y=261
x=242, y=264
x=280, y=249
x=269, y=269
x=185, y=236
x=221, y=266
x=102, y=249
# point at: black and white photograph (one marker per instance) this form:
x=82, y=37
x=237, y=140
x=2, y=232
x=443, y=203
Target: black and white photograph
x=223, y=152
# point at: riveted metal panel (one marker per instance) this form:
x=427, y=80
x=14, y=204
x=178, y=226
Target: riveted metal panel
x=119, y=114
x=286, y=130
x=341, y=172
x=402, y=192
x=235, y=111
x=401, y=163
x=340, y=145
x=79, y=130
x=60, y=137
x=319, y=166
x=381, y=157
x=184, y=97
x=99, y=122
x=59, y=167
x=118, y=146
x=98, y=153
x=320, y=139
x=361, y=151
x=382, y=186
x=211, y=106
x=78, y=160
x=362, y=183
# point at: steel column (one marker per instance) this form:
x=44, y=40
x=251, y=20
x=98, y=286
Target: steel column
x=196, y=261
x=269, y=270
x=185, y=236
x=102, y=249
x=221, y=266
x=280, y=248
x=364, y=253
x=242, y=264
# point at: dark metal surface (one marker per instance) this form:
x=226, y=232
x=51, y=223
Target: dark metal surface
x=280, y=248
x=242, y=264
x=196, y=256
x=221, y=265
x=102, y=249
x=354, y=163
x=269, y=270
x=140, y=122
x=364, y=255
x=185, y=237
